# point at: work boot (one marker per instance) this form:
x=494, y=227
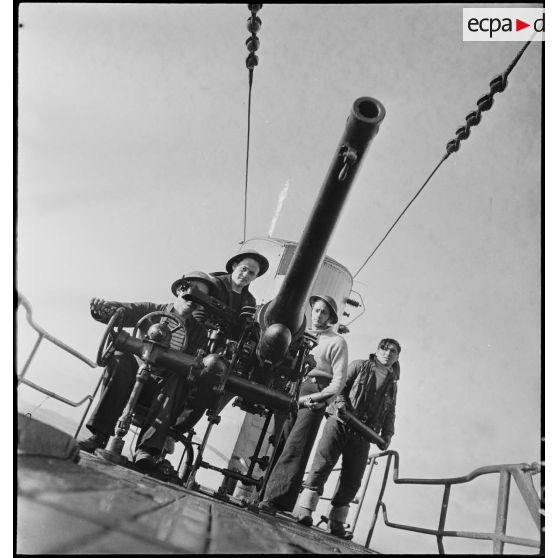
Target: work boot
x=337, y=517
x=267, y=506
x=338, y=529
x=306, y=504
x=145, y=460
x=304, y=517
x=93, y=442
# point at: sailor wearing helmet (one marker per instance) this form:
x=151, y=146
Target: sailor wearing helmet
x=242, y=269
x=319, y=387
x=232, y=290
x=163, y=395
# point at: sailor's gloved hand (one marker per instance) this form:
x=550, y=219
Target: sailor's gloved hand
x=385, y=445
x=101, y=310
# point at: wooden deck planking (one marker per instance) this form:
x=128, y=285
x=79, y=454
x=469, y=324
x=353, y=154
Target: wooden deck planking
x=184, y=524
x=98, y=507
x=39, y=528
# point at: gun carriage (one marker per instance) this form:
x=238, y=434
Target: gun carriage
x=262, y=355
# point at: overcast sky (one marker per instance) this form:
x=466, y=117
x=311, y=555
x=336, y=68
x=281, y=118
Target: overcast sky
x=132, y=138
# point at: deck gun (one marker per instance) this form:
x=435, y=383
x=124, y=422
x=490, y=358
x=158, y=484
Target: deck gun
x=265, y=365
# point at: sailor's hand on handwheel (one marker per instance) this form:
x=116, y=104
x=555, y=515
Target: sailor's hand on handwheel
x=101, y=310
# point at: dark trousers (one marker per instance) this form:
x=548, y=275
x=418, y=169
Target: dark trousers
x=338, y=440
x=163, y=396
x=286, y=478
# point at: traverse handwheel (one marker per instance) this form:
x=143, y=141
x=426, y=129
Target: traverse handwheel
x=107, y=348
x=165, y=328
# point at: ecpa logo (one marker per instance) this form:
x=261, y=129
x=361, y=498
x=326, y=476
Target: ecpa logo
x=503, y=24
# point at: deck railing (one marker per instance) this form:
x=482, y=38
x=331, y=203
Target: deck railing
x=43, y=334
x=521, y=473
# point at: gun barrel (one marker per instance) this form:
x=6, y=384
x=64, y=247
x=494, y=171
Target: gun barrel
x=362, y=125
x=259, y=393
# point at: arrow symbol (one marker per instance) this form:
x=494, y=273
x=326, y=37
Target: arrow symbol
x=519, y=25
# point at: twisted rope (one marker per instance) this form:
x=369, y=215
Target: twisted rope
x=497, y=85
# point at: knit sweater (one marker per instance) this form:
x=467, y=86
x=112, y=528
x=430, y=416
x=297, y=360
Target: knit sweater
x=332, y=357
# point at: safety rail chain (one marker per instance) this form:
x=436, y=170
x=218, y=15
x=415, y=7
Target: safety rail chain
x=521, y=472
x=43, y=334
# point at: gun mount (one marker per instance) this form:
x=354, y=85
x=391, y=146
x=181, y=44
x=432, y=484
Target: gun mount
x=265, y=364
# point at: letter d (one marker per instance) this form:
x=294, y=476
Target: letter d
x=536, y=24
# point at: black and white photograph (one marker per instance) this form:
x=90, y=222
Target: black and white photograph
x=279, y=278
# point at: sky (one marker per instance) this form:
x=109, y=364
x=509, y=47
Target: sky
x=130, y=172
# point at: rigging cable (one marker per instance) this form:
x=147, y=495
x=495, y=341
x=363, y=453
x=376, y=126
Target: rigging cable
x=497, y=85
x=253, y=24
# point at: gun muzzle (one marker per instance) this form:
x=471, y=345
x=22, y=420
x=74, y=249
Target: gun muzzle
x=288, y=307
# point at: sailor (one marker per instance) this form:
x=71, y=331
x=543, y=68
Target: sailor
x=242, y=269
x=164, y=394
x=369, y=394
x=320, y=386
x=232, y=290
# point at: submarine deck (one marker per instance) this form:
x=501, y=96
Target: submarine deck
x=97, y=507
